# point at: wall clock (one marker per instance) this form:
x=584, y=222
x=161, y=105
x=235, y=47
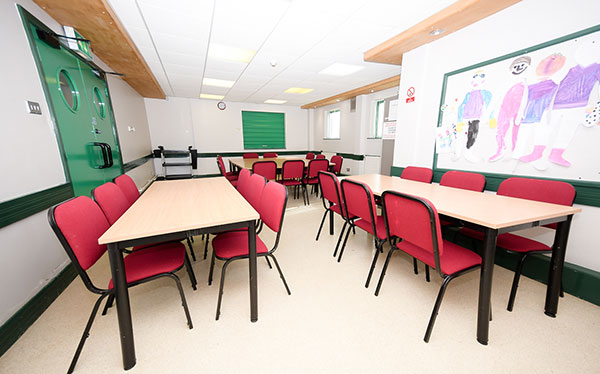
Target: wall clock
x=221, y=105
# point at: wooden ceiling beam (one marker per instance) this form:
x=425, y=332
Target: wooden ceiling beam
x=369, y=88
x=460, y=14
x=96, y=21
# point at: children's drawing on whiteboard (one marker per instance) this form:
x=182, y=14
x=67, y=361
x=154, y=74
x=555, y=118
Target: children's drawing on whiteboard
x=445, y=136
x=512, y=107
x=540, y=96
x=474, y=108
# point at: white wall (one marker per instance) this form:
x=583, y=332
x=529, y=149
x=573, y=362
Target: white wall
x=355, y=132
x=30, y=254
x=525, y=24
x=177, y=123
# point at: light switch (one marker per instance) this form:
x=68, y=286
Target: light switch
x=33, y=107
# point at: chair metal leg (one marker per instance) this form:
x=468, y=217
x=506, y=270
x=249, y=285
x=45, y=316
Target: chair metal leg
x=189, y=243
x=183, y=301
x=280, y=274
x=515, y=284
x=415, y=266
x=192, y=238
x=212, y=267
x=221, y=289
x=269, y=263
x=343, y=245
x=206, y=246
x=378, y=248
x=385, y=265
x=331, y=222
x=340, y=238
x=321, y=226
x=190, y=271
x=427, y=273
x=307, y=201
x=436, y=307
x=109, y=303
x=86, y=332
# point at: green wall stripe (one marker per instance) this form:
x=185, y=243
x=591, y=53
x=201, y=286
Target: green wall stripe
x=240, y=154
x=12, y=329
x=22, y=207
x=135, y=163
x=351, y=156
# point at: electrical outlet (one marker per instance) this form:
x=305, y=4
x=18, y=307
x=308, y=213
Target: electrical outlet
x=347, y=169
x=33, y=107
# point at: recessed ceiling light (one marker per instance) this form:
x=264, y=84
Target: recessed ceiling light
x=229, y=53
x=338, y=100
x=211, y=96
x=273, y=101
x=341, y=69
x=217, y=82
x=437, y=32
x=299, y=90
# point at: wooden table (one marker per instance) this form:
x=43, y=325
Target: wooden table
x=172, y=210
x=492, y=214
x=246, y=163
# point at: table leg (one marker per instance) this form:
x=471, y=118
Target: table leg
x=253, y=275
x=330, y=222
x=117, y=269
x=485, y=285
x=557, y=261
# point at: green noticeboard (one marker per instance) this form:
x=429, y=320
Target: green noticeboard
x=263, y=130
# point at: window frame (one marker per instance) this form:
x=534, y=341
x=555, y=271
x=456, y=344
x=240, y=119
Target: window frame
x=376, y=130
x=327, y=127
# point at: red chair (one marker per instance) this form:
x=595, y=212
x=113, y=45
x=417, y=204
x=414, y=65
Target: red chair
x=320, y=156
x=310, y=156
x=270, y=155
x=250, y=155
x=548, y=191
x=332, y=202
x=337, y=161
x=419, y=174
x=243, y=177
x=311, y=178
x=128, y=187
x=463, y=180
x=78, y=223
x=233, y=245
x=113, y=203
x=416, y=222
x=267, y=169
x=231, y=176
x=292, y=172
x=360, y=204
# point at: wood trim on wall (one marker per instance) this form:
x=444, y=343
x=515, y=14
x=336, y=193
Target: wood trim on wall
x=96, y=21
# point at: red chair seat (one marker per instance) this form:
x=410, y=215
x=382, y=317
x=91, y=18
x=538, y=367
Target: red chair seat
x=291, y=183
x=454, y=259
x=511, y=242
x=231, y=176
x=368, y=227
x=235, y=243
x=314, y=180
x=163, y=258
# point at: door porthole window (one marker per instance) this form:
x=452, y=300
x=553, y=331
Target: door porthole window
x=68, y=90
x=99, y=102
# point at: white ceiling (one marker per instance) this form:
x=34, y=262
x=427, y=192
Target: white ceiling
x=302, y=36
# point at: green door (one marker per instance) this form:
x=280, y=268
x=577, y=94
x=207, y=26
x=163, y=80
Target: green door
x=79, y=100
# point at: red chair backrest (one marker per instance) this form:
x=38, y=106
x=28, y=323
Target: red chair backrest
x=418, y=174
x=272, y=205
x=292, y=169
x=250, y=155
x=242, y=182
x=330, y=187
x=128, y=187
x=358, y=200
x=316, y=165
x=270, y=155
x=337, y=160
x=267, y=169
x=111, y=200
x=546, y=191
x=221, y=165
x=256, y=185
x=310, y=156
x=413, y=219
x=320, y=156
x=79, y=223
x=463, y=180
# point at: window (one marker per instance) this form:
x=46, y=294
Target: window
x=263, y=130
x=332, y=124
x=378, y=124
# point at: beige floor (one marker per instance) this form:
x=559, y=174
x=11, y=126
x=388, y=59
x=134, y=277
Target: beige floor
x=330, y=323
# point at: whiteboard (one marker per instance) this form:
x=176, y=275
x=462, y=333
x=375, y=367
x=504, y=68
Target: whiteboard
x=534, y=112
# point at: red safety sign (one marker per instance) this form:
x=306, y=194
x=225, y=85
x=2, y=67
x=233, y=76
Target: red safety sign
x=410, y=92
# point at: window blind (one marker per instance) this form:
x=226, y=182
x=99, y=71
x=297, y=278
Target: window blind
x=263, y=130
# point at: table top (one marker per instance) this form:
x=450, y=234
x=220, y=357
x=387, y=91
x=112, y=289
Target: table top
x=179, y=205
x=485, y=209
x=247, y=163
